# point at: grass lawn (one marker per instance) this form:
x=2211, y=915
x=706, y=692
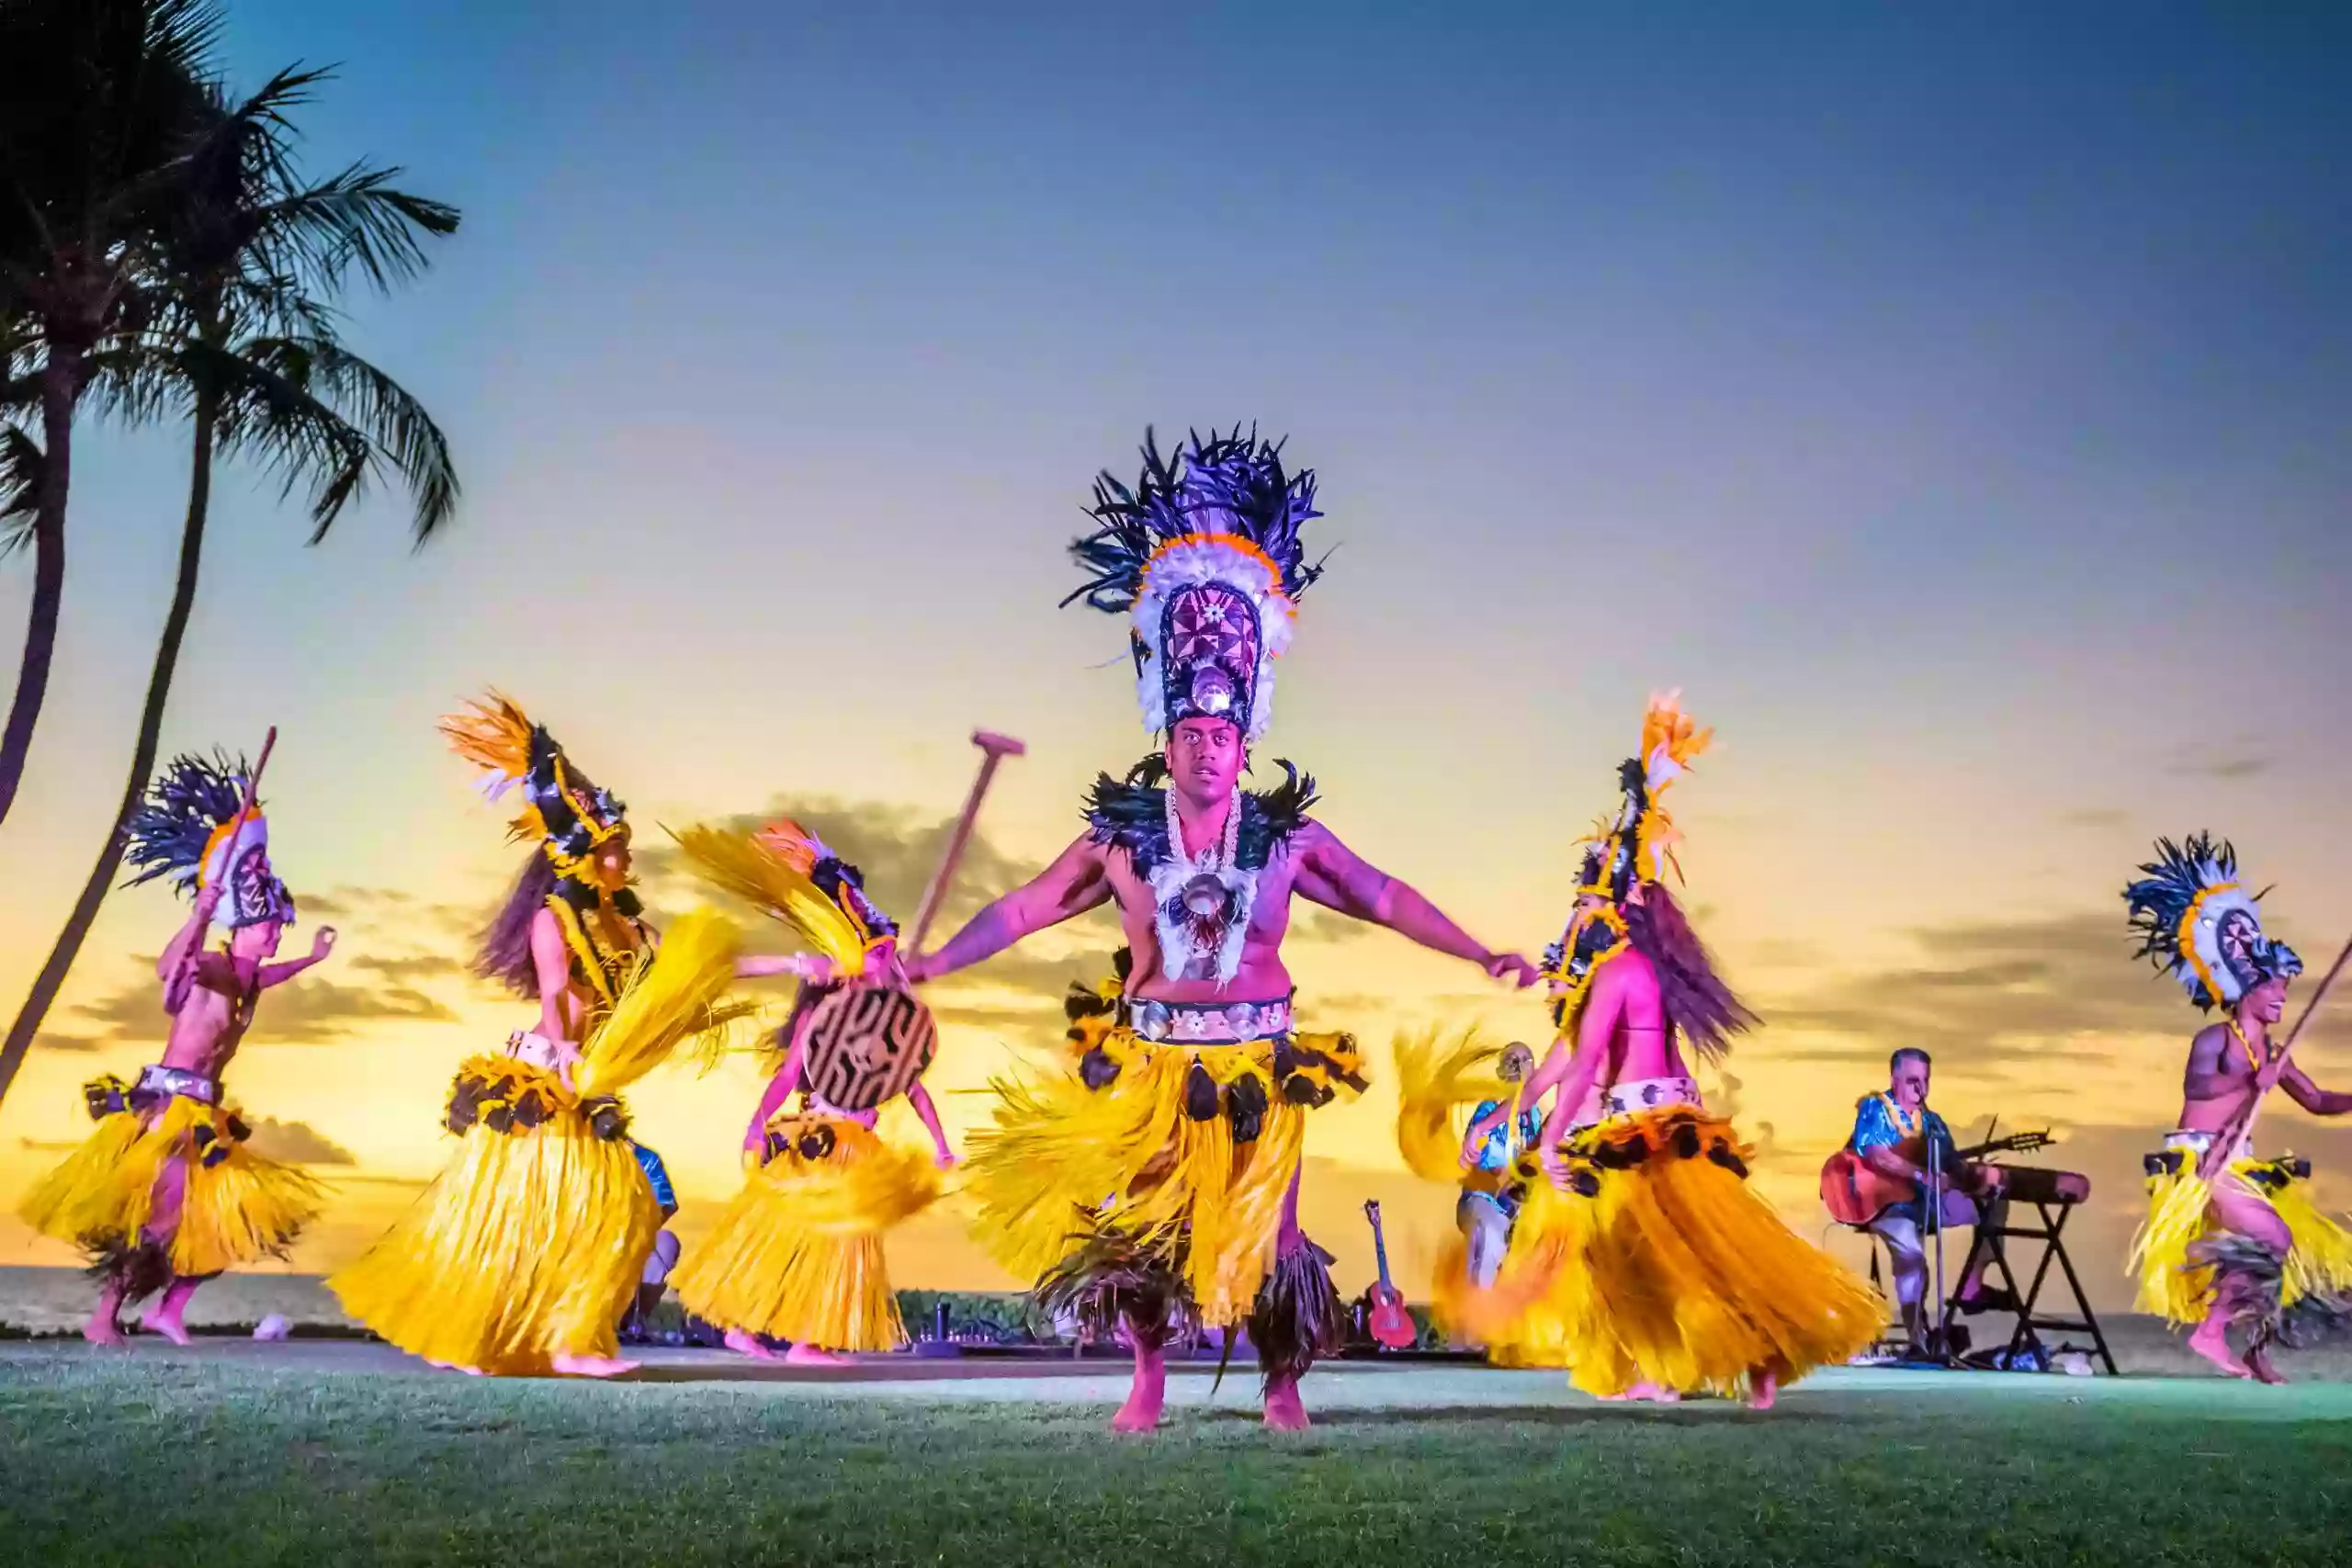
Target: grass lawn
x=235, y=1459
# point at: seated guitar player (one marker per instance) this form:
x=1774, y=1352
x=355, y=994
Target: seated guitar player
x=1892, y=1134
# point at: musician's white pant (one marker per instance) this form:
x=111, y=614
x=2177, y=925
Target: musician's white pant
x=1908, y=1250
x=661, y=1259
x=1487, y=1230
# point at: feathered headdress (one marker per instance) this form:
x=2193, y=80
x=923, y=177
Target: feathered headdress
x=1204, y=557
x=787, y=871
x=181, y=830
x=562, y=807
x=2195, y=921
x=1637, y=844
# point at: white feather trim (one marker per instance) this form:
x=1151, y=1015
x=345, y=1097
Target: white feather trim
x=2225, y=899
x=1190, y=562
x=251, y=834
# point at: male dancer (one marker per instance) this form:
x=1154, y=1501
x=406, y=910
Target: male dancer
x=166, y=1194
x=1645, y=1262
x=1162, y=1178
x=2231, y=1241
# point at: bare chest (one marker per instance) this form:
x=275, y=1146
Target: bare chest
x=207, y=1030
x=1140, y=897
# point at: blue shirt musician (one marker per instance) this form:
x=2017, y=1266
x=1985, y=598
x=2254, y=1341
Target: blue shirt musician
x=1888, y=1128
x=1489, y=1202
x=637, y=1328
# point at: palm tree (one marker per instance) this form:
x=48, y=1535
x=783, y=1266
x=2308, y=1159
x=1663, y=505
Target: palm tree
x=95, y=98
x=246, y=345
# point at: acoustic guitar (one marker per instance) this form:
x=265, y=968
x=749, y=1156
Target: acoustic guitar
x=1391, y=1325
x=1857, y=1195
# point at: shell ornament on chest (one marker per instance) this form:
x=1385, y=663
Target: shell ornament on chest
x=1203, y=902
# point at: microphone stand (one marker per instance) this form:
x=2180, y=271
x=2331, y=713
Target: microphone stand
x=1939, y=1341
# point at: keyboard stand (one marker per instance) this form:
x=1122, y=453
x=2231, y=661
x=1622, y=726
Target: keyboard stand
x=2030, y=1325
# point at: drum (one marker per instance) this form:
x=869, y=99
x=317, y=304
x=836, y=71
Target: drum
x=867, y=1044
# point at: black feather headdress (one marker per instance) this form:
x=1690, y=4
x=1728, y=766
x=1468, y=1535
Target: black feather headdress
x=1204, y=555
x=181, y=831
x=2196, y=923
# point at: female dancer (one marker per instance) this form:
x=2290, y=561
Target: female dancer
x=523, y=1256
x=798, y=1255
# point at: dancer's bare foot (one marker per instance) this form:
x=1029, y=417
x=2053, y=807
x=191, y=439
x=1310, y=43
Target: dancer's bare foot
x=452, y=1366
x=1285, y=1412
x=165, y=1321
x=814, y=1356
x=1147, y=1397
x=591, y=1366
x=1645, y=1393
x=2212, y=1341
x=2257, y=1360
x=744, y=1344
x=103, y=1329
x=169, y=1316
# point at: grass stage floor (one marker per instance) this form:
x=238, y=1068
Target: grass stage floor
x=325, y=1453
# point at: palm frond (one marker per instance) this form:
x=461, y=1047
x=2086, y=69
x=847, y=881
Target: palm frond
x=399, y=427
x=269, y=414
x=20, y=471
x=139, y=381
x=325, y=418
x=357, y=221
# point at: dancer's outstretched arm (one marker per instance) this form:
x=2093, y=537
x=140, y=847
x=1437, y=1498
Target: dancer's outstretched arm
x=1335, y=877
x=2309, y=1096
x=1077, y=881
x=321, y=945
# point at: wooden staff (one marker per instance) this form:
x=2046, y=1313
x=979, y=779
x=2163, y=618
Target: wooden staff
x=994, y=748
x=252, y=787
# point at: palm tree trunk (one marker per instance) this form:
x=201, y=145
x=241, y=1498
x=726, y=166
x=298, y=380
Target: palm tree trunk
x=61, y=388
x=142, y=759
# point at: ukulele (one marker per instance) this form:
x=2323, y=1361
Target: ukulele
x=1857, y=1195
x=1392, y=1325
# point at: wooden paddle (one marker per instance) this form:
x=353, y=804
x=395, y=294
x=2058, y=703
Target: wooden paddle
x=994, y=748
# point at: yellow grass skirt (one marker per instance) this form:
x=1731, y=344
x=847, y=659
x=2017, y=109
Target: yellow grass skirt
x=2180, y=1290
x=531, y=1244
x=1063, y=1159
x=528, y=1247
x=238, y=1207
x=798, y=1254
x=1665, y=1267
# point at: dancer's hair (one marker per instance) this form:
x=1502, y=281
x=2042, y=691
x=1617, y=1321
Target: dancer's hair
x=1908, y=1053
x=1702, y=1007
x=505, y=952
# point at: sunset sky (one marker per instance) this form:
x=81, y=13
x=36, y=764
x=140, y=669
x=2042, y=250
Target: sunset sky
x=1954, y=406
